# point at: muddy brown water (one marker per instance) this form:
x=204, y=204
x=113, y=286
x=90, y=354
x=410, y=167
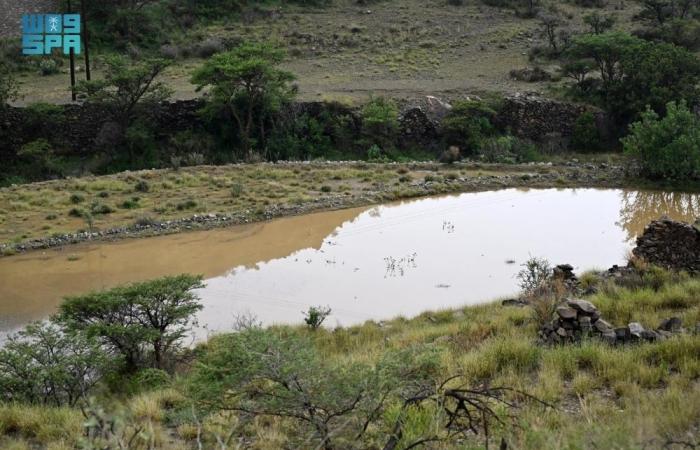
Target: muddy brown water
x=365, y=263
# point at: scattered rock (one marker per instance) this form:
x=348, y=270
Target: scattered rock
x=579, y=318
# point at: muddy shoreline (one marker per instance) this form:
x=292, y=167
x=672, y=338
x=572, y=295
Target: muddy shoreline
x=536, y=176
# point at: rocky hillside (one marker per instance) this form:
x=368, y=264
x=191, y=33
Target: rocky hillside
x=12, y=10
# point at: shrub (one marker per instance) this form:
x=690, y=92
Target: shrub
x=535, y=274
x=48, y=66
x=101, y=208
x=380, y=122
x=316, y=315
x=585, y=136
x=76, y=198
x=39, y=159
x=142, y=186
x=467, y=124
x=508, y=150
x=76, y=212
x=43, y=364
x=451, y=155
x=143, y=322
x=667, y=147
x=330, y=405
x=187, y=204
x=236, y=190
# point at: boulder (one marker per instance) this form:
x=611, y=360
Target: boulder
x=603, y=326
x=566, y=313
x=636, y=329
x=585, y=307
x=671, y=324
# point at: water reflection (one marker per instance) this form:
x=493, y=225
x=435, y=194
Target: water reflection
x=366, y=263
x=638, y=208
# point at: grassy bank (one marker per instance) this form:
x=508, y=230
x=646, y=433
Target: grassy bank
x=257, y=191
x=641, y=395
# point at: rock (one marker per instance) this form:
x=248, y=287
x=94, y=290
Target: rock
x=636, y=329
x=533, y=117
x=649, y=335
x=672, y=324
x=603, y=326
x=566, y=313
x=670, y=244
x=610, y=337
x=561, y=332
x=530, y=75
x=623, y=334
x=583, y=306
x=515, y=302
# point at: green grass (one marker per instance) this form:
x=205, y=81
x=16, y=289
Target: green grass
x=120, y=199
x=623, y=397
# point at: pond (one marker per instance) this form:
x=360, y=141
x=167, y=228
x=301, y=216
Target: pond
x=365, y=263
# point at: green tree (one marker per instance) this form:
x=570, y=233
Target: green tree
x=142, y=322
x=127, y=90
x=667, y=147
x=380, y=122
x=467, y=125
x=598, y=23
x=247, y=84
x=43, y=364
x=634, y=73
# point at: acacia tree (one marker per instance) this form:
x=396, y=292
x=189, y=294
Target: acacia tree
x=634, y=73
x=127, y=90
x=43, y=364
x=138, y=320
x=246, y=83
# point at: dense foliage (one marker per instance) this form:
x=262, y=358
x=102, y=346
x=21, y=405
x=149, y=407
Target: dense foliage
x=633, y=73
x=44, y=364
x=667, y=147
x=144, y=323
x=247, y=86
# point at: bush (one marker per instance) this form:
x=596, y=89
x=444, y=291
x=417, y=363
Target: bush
x=585, y=136
x=467, y=125
x=142, y=186
x=666, y=147
x=316, y=315
x=39, y=159
x=380, y=122
x=101, y=208
x=142, y=322
x=43, y=364
x=265, y=373
x=508, y=150
x=48, y=66
x=76, y=198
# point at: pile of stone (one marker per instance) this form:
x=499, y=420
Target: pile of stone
x=576, y=319
x=670, y=244
x=565, y=273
